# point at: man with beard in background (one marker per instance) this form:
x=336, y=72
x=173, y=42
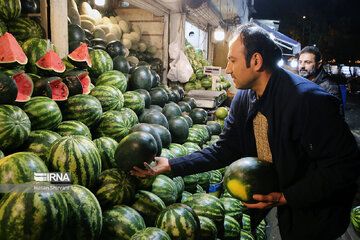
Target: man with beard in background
x=311, y=68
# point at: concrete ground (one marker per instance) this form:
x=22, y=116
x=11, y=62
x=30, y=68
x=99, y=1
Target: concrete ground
x=352, y=117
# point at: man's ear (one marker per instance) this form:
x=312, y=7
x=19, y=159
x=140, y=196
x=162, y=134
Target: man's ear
x=318, y=64
x=257, y=61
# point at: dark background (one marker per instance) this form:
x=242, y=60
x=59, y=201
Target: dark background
x=333, y=25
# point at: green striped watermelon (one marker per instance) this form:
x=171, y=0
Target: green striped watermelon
x=149, y=205
x=34, y=48
x=134, y=101
x=113, y=78
x=144, y=183
x=232, y=229
x=208, y=228
x=233, y=207
x=204, y=180
x=199, y=189
x=14, y=128
x=77, y=155
x=151, y=233
x=110, y=97
x=260, y=234
x=115, y=187
x=20, y=167
x=39, y=142
x=246, y=222
x=72, y=127
x=191, y=182
x=84, y=108
x=177, y=149
x=43, y=112
x=101, y=62
x=208, y=206
x=114, y=124
x=131, y=115
x=33, y=215
x=10, y=9
x=246, y=235
x=205, y=131
x=355, y=218
x=166, y=153
x=195, y=136
x=185, y=195
x=85, y=216
x=3, y=28
x=106, y=147
x=165, y=188
x=24, y=28
x=180, y=185
x=179, y=221
x=121, y=223
x=191, y=147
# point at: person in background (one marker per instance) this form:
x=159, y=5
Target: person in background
x=311, y=67
x=291, y=122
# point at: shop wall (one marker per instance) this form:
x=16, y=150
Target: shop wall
x=220, y=54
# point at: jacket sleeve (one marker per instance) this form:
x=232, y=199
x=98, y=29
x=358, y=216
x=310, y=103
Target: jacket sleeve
x=221, y=154
x=333, y=156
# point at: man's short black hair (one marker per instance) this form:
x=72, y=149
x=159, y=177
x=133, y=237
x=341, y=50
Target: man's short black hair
x=258, y=40
x=312, y=50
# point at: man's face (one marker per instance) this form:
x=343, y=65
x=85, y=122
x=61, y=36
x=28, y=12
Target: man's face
x=307, y=65
x=236, y=66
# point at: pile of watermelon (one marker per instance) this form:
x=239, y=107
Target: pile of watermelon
x=115, y=35
x=199, y=80
x=83, y=116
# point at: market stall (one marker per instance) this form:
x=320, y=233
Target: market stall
x=94, y=88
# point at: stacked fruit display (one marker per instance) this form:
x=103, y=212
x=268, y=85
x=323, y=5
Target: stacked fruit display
x=54, y=120
x=113, y=34
x=199, y=80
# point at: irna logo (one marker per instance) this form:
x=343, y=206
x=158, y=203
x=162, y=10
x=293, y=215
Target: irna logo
x=53, y=177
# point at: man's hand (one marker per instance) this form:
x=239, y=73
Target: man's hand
x=267, y=201
x=162, y=165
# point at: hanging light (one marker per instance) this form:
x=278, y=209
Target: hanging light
x=219, y=34
x=294, y=63
x=100, y=2
x=280, y=63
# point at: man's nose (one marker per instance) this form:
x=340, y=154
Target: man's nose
x=228, y=69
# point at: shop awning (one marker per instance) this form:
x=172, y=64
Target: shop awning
x=281, y=39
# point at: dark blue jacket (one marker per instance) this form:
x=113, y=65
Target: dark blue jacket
x=313, y=150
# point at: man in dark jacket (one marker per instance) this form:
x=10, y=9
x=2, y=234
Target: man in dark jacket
x=310, y=67
x=294, y=124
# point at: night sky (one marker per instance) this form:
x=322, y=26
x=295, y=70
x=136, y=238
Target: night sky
x=333, y=25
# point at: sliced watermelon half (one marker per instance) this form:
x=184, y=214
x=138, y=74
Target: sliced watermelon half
x=59, y=90
x=80, y=57
x=84, y=78
x=51, y=62
x=24, y=84
x=10, y=51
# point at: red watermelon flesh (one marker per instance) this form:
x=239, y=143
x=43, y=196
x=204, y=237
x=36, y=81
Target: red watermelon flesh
x=25, y=86
x=85, y=82
x=59, y=90
x=51, y=62
x=81, y=54
x=10, y=50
